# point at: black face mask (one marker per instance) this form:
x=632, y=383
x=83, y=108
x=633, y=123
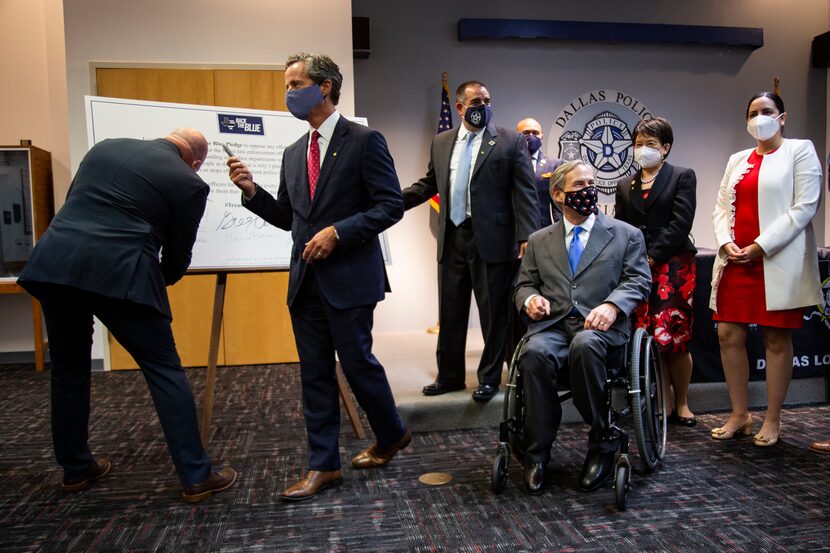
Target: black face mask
x=533, y=143
x=582, y=201
x=479, y=116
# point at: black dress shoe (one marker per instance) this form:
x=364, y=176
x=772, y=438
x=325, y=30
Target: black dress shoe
x=674, y=418
x=597, y=467
x=535, y=478
x=438, y=388
x=485, y=392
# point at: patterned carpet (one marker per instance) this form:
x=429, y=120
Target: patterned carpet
x=707, y=497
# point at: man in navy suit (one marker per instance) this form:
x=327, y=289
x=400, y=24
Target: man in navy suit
x=488, y=209
x=338, y=190
x=543, y=167
x=100, y=256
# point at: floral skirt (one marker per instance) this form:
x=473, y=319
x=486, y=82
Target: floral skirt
x=668, y=313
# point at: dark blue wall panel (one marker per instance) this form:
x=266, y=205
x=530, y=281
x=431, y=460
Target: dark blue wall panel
x=473, y=29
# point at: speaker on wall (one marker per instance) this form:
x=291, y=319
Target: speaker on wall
x=821, y=50
x=360, y=37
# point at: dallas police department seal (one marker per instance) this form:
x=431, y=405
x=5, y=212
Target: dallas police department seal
x=596, y=127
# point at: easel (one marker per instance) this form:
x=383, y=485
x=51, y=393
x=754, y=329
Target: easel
x=213, y=356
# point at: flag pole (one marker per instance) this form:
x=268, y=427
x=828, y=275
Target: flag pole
x=444, y=123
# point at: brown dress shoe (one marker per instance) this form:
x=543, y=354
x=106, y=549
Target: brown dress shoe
x=820, y=447
x=96, y=470
x=373, y=456
x=216, y=482
x=311, y=484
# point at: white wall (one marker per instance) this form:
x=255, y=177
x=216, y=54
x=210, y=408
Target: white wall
x=702, y=90
x=32, y=106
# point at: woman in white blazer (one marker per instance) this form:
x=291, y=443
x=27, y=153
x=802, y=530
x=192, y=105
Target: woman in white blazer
x=766, y=269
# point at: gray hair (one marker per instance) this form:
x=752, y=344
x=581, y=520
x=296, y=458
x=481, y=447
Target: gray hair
x=557, y=179
x=320, y=67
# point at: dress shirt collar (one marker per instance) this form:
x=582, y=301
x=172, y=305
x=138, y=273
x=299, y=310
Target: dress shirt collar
x=586, y=225
x=326, y=130
x=463, y=132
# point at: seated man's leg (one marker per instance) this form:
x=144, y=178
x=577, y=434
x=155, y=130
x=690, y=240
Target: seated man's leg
x=587, y=356
x=542, y=357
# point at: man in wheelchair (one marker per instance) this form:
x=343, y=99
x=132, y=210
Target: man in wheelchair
x=580, y=279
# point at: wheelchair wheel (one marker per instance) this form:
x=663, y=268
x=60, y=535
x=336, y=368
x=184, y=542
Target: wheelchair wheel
x=498, y=479
x=646, y=394
x=652, y=377
x=622, y=474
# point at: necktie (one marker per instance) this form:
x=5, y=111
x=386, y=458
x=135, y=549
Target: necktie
x=458, y=202
x=576, y=249
x=313, y=163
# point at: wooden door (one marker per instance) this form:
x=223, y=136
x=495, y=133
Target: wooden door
x=256, y=327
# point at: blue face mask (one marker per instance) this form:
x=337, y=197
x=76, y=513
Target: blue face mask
x=479, y=116
x=301, y=101
x=533, y=143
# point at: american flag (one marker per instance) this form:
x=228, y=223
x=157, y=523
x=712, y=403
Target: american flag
x=444, y=124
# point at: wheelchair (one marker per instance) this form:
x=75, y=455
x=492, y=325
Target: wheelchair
x=634, y=368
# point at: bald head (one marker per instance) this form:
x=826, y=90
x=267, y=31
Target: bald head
x=530, y=126
x=192, y=146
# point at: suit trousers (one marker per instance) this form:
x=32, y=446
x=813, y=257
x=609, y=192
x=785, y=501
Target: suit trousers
x=321, y=330
x=543, y=358
x=461, y=273
x=146, y=335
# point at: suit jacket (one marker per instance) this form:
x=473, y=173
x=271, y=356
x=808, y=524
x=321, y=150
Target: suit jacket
x=789, y=192
x=544, y=167
x=666, y=216
x=358, y=192
x=129, y=199
x=613, y=268
x=504, y=208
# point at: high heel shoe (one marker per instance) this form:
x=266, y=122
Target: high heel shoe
x=744, y=430
x=762, y=441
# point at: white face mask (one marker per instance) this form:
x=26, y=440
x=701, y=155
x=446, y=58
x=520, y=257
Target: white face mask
x=763, y=127
x=647, y=157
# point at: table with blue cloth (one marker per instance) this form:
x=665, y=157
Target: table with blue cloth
x=811, y=343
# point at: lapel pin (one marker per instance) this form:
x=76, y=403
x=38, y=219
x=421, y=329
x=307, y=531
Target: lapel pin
x=334, y=154
x=492, y=143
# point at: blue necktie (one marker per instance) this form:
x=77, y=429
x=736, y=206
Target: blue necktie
x=576, y=249
x=458, y=202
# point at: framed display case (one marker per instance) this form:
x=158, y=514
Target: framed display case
x=26, y=208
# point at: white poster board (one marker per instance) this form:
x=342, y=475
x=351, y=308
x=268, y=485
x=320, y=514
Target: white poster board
x=230, y=237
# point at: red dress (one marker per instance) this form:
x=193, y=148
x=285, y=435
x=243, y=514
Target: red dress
x=741, y=292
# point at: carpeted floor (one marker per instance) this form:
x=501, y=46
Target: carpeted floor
x=708, y=496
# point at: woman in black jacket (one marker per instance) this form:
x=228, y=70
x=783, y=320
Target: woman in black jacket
x=660, y=200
